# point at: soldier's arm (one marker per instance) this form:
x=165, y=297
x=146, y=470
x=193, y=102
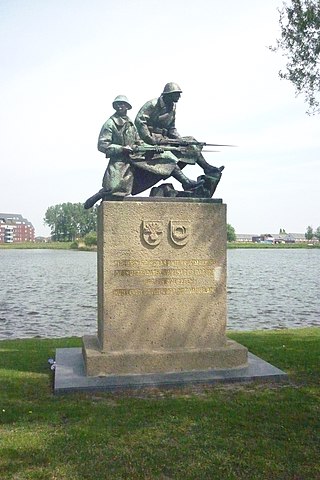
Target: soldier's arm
x=105, y=140
x=136, y=139
x=172, y=131
x=142, y=124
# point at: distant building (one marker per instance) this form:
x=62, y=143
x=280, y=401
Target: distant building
x=267, y=238
x=14, y=228
x=245, y=237
x=285, y=238
x=272, y=238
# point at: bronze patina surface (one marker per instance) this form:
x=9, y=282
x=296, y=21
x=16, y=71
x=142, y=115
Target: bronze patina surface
x=156, y=124
x=143, y=153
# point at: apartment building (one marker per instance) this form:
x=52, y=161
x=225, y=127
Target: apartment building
x=15, y=228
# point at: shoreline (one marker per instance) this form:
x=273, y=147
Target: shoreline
x=47, y=246
x=82, y=248
x=230, y=333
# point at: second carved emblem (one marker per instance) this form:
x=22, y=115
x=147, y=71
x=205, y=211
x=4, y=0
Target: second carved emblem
x=153, y=232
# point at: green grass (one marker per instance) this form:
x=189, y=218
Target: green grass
x=68, y=245
x=36, y=245
x=47, y=245
x=244, y=431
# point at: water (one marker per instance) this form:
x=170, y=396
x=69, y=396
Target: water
x=47, y=293
x=52, y=293
x=273, y=288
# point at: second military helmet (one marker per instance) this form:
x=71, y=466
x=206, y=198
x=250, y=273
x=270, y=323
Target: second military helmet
x=171, y=87
x=122, y=98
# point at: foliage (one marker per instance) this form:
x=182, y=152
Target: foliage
x=69, y=221
x=317, y=234
x=300, y=44
x=237, y=432
x=309, y=233
x=231, y=233
x=282, y=231
x=90, y=239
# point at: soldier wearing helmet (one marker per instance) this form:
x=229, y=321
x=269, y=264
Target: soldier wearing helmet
x=155, y=123
x=117, y=136
x=156, y=119
x=129, y=170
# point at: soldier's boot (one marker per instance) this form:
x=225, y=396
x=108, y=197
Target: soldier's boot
x=94, y=199
x=209, y=169
x=185, y=181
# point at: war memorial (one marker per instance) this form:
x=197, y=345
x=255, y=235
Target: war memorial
x=162, y=267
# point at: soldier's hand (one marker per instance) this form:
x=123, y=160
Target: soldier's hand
x=127, y=149
x=163, y=141
x=158, y=139
x=158, y=149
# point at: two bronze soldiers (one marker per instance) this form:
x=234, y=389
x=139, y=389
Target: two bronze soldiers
x=149, y=150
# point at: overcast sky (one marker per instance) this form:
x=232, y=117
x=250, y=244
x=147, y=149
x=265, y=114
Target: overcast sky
x=64, y=61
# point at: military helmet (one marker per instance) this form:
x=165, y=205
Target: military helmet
x=171, y=87
x=121, y=98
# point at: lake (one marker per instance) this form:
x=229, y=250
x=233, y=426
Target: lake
x=52, y=293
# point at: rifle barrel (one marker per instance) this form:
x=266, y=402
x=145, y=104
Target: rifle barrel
x=185, y=143
x=217, y=145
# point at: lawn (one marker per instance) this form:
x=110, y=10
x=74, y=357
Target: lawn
x=36, y=246
x=244, y=431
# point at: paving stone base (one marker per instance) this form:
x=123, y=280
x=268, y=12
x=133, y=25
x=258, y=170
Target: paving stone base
x=70, y=375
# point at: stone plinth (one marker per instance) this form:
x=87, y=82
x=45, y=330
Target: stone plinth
x=161, y=289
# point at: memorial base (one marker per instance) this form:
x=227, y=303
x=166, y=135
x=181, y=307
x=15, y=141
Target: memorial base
x=97, y=363
x=162, y=305
x=70, y=376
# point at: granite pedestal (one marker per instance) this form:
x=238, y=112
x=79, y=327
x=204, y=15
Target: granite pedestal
x=161, y=289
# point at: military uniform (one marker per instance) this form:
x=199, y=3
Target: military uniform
x=155, y=122
x=116, y=133
x=130, y=174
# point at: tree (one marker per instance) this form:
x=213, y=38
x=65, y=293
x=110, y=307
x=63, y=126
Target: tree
x=90, y=239
x=309, y=233
x=300, y=44
x=317, y=234
x=231, y=233
x=69, y=221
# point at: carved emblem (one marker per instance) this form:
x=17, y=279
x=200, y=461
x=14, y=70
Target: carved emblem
x=180, y=231
x=152, y=232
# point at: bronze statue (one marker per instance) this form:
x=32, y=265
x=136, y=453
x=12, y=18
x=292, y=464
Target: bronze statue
x=117, y=136
x=155, y=123
x=133, y=166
